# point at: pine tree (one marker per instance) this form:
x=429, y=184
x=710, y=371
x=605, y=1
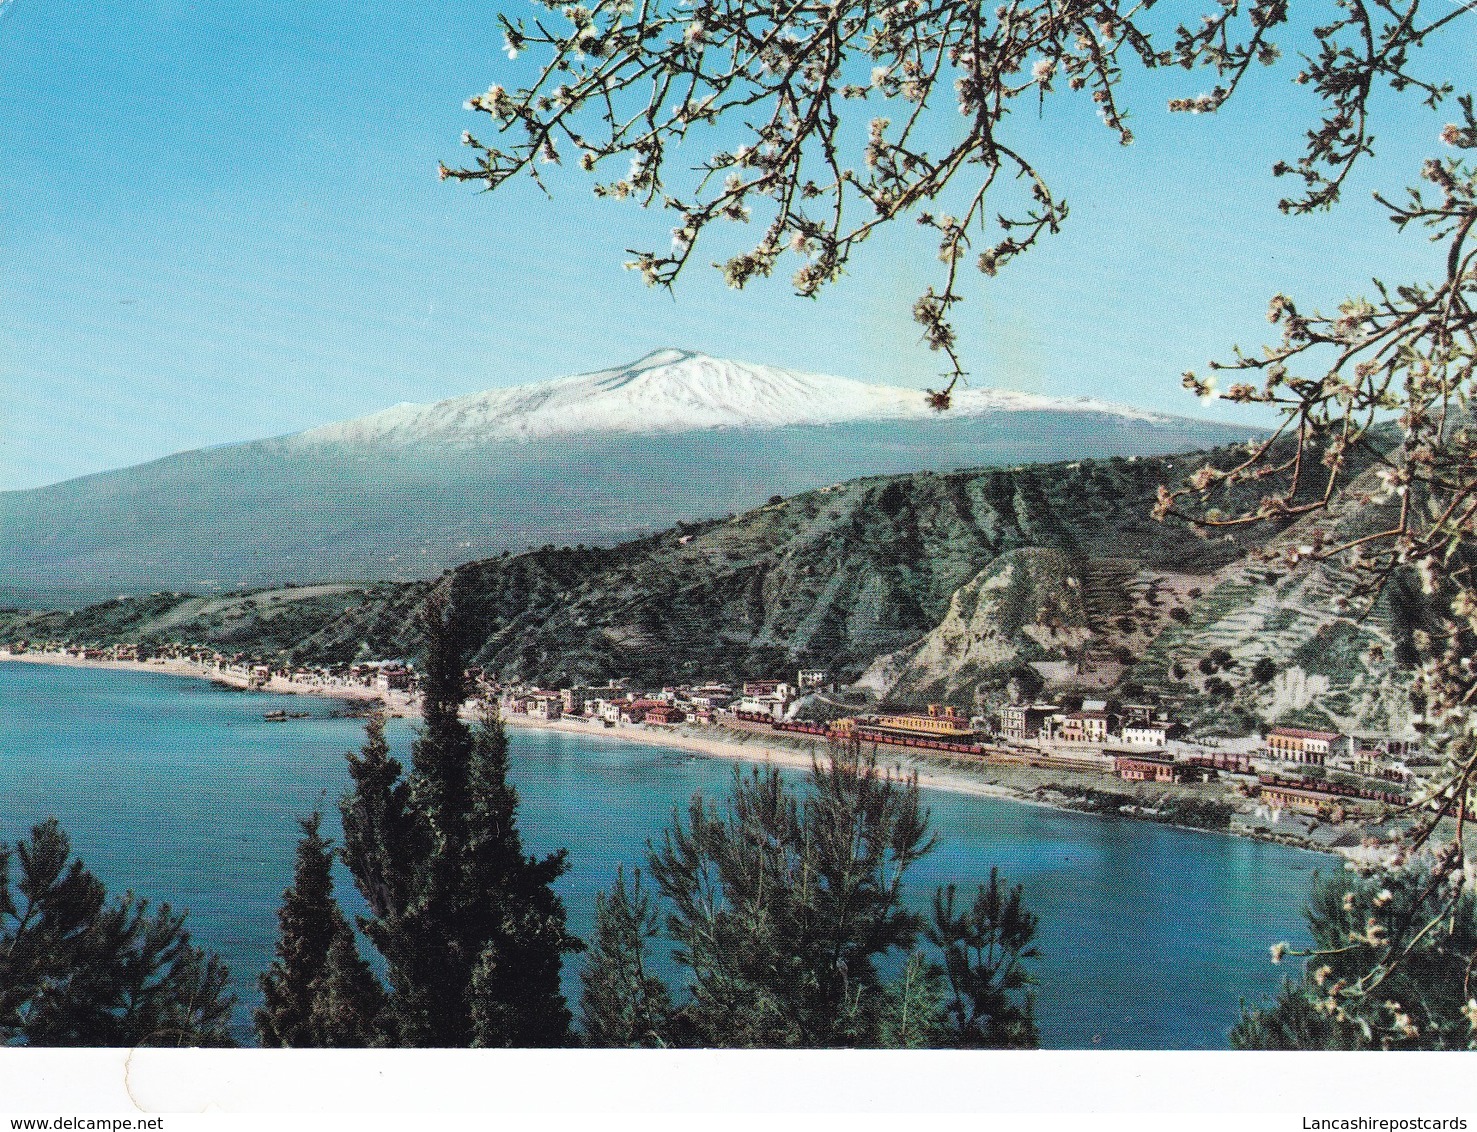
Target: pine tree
x=983, y=948
x=781, y=910
x=785, y=911
x=1293, y=1022
x=472, y=933
x=79, y=970
x=623, y=1004
x=913, y=1009
x=319, y=992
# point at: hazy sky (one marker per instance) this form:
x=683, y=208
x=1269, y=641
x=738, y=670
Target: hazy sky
x=221, y=221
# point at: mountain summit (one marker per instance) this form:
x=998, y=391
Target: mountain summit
x=597, y=458
x=677, y=391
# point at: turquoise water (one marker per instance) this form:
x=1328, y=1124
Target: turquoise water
x=180, y=790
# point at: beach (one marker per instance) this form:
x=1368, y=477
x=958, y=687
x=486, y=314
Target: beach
x=734, y=743
x=1062, y=789
x=394, y=704
x=722, y=741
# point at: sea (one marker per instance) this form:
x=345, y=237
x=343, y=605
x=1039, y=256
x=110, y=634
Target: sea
x=178, y=789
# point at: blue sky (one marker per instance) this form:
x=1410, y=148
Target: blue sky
x=221, y=221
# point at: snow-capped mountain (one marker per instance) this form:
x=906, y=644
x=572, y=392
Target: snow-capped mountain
x=678, y=391
x=595, y=459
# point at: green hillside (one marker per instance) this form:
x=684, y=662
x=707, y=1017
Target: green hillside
x=929, y=584
x=831, y=577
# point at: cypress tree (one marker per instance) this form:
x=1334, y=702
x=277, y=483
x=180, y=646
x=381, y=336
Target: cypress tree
x=519, y=935
x=319, y=991
x=380, y=849
x=623, y=1004
x=77, y=969
x=348, y=999
x=471, y=930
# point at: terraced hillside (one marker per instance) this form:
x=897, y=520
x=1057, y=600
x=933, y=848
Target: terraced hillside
x=1280, y=644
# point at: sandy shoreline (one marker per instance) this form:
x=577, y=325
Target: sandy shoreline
x=396, y=704
x=730, y=744
x=737, y=746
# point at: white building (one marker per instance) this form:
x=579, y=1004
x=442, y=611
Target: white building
x=1146, y=735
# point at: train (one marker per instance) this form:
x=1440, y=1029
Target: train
x=975, y=747
x=1219, y=760
x=1334, y=789
x=870, y=733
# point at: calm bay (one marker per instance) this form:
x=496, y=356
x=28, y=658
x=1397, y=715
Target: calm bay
x=179, y=790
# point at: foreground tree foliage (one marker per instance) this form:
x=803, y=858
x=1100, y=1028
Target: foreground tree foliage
x=781, y=909
x=1422, y=997
x=468, y=924
x=1404, y=355
x=319, y=991
x=983, y=948
x=789, y=921
x=78, y=969
x=624, y=1005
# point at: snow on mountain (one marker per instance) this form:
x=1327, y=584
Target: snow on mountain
x=677, y=391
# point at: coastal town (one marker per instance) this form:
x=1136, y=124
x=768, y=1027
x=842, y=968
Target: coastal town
x=1304, y=776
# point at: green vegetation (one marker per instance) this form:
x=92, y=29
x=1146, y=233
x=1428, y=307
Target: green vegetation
x=318, y=992
x=786, y=912
x=78, y=969
x=1199, y=813
x=1389, y=968
x=832, y=579
x=471, y=931
x=624, y=1005
x=1171, y=809
x=468, y=925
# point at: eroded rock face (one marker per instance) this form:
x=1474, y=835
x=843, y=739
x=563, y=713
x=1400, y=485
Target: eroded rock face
x=1026, y=605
